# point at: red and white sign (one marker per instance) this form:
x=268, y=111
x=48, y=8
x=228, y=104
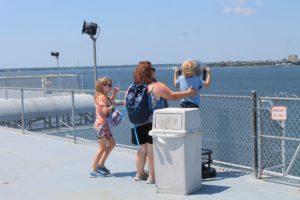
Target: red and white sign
x=279, y=113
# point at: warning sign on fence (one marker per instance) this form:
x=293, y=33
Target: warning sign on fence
x=279, y=113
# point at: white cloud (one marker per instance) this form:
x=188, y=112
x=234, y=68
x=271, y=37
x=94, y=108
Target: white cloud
x=236, y=1
x=241, y=7
x=227, y=10
x=239, y=10
x=259, y=2
x=241, y=1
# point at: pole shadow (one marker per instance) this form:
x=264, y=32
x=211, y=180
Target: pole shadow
x=124, y=174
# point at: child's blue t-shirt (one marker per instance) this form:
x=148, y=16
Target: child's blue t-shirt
x=185, y=82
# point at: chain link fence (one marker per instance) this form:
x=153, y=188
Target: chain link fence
x=279, y=140
x=227, y=131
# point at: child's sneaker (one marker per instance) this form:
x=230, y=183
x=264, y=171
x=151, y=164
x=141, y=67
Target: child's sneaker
x=141, y=177
x=103, y=169
x=93, y=174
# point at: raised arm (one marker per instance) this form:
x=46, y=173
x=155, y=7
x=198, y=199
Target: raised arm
x=207, y=81
x=114, y=94
x=175, y=76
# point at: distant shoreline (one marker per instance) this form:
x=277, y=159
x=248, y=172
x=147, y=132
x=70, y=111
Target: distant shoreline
x=254, y=63
x=214, y=64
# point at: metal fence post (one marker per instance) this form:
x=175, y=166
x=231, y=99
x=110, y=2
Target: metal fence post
x=259, y=175
x=22, y=111
x=6, y=84
x=83, y=81
x=254, y=131
x=283, y=150
x=73, y=117
x=44, y=86
x=78, y=82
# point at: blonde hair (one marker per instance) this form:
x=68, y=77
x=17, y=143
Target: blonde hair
x=190, y=68
x=99, y=86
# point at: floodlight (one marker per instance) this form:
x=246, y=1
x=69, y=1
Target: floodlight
x=56, y=54
x=89, y=28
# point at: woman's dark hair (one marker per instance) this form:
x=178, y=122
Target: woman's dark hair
x=143, y=72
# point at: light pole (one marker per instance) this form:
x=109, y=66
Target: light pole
x=92, y=29
x=56, y=55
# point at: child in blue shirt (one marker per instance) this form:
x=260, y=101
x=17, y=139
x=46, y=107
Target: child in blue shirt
x=191, y=77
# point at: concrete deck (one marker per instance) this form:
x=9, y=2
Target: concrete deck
x=35, y=167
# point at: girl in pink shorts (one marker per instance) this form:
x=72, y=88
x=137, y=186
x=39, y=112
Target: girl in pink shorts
x=104, y=105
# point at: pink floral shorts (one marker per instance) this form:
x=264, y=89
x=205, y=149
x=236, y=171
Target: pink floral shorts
x=103, y=131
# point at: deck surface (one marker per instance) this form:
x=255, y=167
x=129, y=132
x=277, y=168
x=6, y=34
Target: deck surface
x=39, y=167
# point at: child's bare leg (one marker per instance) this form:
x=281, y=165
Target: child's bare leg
x=99, y=153
x=108, y=148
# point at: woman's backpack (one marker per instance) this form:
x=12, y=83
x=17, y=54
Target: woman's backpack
x=138, y=103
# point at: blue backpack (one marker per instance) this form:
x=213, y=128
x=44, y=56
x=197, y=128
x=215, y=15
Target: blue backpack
x=138, y=103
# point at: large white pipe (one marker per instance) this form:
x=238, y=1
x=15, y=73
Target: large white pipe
x=10, y=110
x=35, y=108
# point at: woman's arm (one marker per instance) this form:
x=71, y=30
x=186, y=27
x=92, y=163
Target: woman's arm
x=162, y=90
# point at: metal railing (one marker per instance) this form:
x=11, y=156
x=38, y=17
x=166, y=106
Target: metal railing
x=229, y=125
x=44, y=82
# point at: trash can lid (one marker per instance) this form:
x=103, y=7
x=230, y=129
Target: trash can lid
x=179, y=119
x=172, y=133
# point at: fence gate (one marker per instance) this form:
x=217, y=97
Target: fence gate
x=279, y=137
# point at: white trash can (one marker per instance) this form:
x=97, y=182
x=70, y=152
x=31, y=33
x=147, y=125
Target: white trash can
x=177, y=150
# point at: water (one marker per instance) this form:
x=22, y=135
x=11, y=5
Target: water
x=230, y=80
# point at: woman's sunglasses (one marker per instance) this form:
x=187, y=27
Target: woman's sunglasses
x=153, y=69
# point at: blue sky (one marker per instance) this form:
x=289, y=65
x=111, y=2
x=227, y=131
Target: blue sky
x=162, y=31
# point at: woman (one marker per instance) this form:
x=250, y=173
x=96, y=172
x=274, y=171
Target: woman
x=145, y=74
